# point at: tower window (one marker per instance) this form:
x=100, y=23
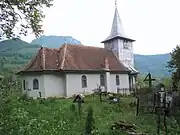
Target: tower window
x=125, y=44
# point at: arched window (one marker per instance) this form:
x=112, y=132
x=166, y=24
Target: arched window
x=35, y=84
x=117, y=80
x=102, y=80
x=84, y=81
x=24, y=84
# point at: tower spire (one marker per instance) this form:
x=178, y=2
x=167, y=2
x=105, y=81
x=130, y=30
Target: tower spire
x=117, y=28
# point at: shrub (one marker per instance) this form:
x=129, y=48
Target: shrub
x=51, y=99
x=23, y=97
x=89, y=127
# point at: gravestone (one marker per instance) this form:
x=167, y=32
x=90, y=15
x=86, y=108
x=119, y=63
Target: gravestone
x=40, y=94
x=113, y=99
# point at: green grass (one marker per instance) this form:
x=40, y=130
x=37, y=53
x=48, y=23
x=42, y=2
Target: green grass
x=55, y=117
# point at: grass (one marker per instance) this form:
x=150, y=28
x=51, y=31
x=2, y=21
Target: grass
x=56, y=116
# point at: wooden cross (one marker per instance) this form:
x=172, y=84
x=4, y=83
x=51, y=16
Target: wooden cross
x=78, y=99
x=149, y=79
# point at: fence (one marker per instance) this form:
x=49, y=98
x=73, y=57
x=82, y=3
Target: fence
x=164, y=104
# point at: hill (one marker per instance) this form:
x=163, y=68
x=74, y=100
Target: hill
x=14, y=53
x=55, y=41
x=156, y=64
x=17, y=46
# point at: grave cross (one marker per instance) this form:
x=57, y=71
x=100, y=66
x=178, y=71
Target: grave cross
x=149, y=79
x=100, y=93
x=78, y=99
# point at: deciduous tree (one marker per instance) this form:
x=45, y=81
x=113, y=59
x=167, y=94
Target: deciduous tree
x=174, y=66
x=19, y=16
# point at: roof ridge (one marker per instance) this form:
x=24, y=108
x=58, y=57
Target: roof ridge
x=82, y=45
x=64, y=55
x=43, y=59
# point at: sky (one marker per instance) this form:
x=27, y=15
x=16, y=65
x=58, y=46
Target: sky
x=154, y=24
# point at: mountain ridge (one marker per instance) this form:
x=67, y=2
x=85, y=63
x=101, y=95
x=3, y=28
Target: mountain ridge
x=54, y=41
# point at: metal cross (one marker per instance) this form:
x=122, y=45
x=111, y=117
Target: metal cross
x=116, y=3
x=149, y=79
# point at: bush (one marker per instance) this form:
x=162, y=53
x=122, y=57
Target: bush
x=89, y=127
x=24, y=97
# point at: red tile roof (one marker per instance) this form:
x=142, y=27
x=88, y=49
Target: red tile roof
x=74, y=58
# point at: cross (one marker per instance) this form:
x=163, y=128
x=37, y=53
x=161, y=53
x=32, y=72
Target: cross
x=149, y=79
x=78, y=99
x=116, y=3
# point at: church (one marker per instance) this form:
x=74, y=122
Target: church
x=75, y=69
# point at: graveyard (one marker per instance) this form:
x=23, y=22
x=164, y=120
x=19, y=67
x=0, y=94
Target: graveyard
x=122, y=116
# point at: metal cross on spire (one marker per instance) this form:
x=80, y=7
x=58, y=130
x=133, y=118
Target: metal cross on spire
x=116, y=3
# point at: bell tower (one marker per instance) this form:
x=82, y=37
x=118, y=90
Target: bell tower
x=121, y=44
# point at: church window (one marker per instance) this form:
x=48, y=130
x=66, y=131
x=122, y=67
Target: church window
x=35, y=84
x=102, y=80
x=125, y=44
x=24, y=84
x=84, y=81
x=117, y=80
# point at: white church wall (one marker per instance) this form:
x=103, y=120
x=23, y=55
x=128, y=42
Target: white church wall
x=74, y=84
x=51, y=85
x=124, y=84
x=29, y=85
x=54, y=85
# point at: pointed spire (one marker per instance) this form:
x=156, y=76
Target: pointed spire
x=117, y=29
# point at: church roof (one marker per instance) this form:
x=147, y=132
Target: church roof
x=133, y=70
x=117, y=30
x=74, y=58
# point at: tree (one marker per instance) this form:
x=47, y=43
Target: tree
x=19, y=16
x=167, y=81
x=2, y=62
x=140, y=81
x=89, y=122
x=174, y=66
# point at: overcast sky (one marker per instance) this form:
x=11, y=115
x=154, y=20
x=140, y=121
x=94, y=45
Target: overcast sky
x=154, y=24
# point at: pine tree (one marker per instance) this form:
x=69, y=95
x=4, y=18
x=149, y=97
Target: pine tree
x=89, y=122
